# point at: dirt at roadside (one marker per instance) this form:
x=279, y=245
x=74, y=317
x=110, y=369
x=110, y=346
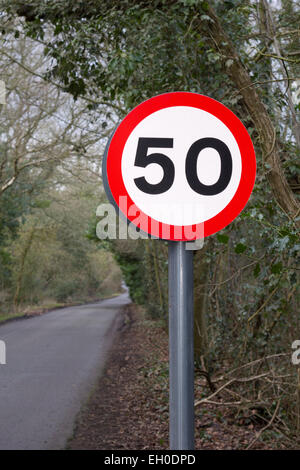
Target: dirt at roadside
x=129, y=406
x=121, y=412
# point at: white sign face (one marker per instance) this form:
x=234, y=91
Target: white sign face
x=183, y=162
x=180, y=204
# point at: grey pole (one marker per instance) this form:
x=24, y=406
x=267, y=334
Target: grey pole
x=181, y=347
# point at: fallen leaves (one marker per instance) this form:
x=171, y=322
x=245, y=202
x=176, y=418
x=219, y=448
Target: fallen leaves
x=129, y=408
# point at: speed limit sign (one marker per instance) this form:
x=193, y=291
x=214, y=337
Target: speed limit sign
x=180, y=166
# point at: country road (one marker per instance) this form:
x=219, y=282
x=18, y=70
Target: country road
x=52, y=363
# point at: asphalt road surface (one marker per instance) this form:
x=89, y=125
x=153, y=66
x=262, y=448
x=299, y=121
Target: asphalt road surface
x=52, y=363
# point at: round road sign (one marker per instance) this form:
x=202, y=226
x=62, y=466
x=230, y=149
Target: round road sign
x=180, y=166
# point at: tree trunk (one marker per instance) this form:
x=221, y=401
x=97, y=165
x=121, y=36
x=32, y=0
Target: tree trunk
x=200, y=304
x=259, y=115
x=22, y=265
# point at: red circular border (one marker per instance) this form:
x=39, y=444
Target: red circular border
x=118, y=141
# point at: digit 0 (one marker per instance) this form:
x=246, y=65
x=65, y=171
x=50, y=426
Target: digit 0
x=191, y=166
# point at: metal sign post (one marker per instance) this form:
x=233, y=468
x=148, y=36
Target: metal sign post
x=181, y=347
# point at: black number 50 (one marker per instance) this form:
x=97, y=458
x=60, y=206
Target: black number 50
x=142, y=159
